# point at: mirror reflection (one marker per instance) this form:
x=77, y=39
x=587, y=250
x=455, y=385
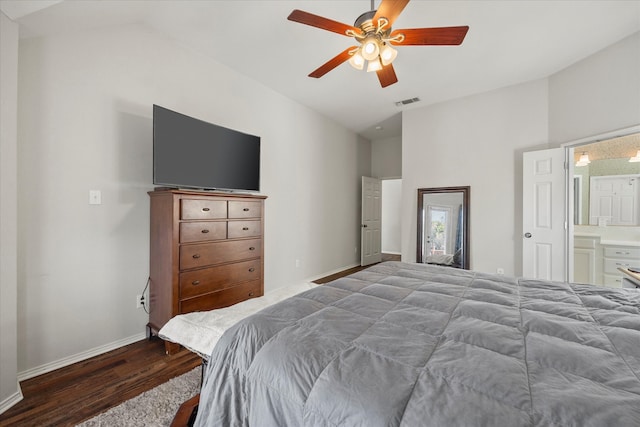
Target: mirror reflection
x=606, y=182
x=443, y=226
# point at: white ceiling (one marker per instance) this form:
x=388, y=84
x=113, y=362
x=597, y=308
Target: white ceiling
x=509, y=42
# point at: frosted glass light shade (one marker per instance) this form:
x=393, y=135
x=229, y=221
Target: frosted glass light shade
x=583, y=160
x=374, y=66
x=357, y=61
x=370, y=48
x=387, y=54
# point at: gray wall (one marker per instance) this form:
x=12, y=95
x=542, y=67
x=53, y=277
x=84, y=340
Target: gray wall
x=597, y=95
x=86, y=119
x=476, y=141
x=386, y=158
x=479, y=141
x=9, y=390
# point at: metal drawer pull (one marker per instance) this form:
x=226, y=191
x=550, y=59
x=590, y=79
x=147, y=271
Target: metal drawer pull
x=252, y=269
x=250, y=294
x=245, y=228
x=246, y=209
x=196, y=256
x=252, y=248
x=205, y=231
x=205, y=209
x=195, y=282
x=622, y=263
x=623, y=253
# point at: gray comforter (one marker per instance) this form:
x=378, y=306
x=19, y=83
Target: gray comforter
x=414, y=345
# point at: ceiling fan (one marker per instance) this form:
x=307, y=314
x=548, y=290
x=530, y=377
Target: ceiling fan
x=372, y=30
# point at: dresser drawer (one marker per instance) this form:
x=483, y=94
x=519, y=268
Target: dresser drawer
x=238, y=229
x=613, y=281
x=611, y=265
x=202, y=231
x=204, y=254
x=222, y=298
x=622, y=252
x=199, y=282
x=203, y=209
x=245, y=209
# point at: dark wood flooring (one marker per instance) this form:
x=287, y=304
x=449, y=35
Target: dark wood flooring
x=385, y=257
x=70, y=395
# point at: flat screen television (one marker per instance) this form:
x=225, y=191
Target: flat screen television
x=191, y=153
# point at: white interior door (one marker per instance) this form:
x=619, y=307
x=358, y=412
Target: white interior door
x=371, y=237
x=543, y=222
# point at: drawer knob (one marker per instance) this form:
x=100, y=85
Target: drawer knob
x=196, y=256
x=252, y=269
x=205, y=231
x=246, y=209
x=250, y=294
x=245, y=228
x=205, y=209
x=252, y=248
x=195, y=282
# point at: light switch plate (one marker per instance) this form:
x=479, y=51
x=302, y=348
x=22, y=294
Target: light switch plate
x=95, y=197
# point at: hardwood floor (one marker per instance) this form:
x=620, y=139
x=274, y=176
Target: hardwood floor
x=70, y=395
x=385, y=257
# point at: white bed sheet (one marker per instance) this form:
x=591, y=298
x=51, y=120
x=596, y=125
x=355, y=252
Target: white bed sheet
x=200, y=331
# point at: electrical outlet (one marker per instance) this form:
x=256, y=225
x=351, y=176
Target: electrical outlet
x=139, y=300
x=297, y=263
x=500, y=271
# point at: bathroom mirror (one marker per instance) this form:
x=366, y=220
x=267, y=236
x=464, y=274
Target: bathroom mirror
x=606, y=182
x=443, y=226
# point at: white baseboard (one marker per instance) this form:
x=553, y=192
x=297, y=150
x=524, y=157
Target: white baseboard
x=392, y=252
x=79, y=357
x=11, y=400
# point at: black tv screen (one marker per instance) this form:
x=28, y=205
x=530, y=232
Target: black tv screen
x=191, y=153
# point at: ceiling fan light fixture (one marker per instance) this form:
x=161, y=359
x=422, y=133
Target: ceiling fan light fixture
x=387, y=54
x=370, y=48
x=635, y=158
x=583, y=160
x=374, y=65
x=357, y=61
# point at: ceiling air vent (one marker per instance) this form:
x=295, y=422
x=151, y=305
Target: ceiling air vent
x=407, y=101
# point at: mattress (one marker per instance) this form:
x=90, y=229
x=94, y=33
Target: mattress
x=402, y=344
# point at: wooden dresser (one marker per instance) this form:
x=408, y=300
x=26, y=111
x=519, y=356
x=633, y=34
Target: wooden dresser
x=206, y=252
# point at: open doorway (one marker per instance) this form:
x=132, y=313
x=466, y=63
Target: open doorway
x=391, y=204
x=604, y=202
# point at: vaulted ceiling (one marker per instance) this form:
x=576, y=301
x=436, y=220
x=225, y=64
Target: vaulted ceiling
x=509, y=42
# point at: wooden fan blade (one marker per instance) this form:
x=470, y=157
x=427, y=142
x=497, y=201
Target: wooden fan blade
x=431, y=36
x=321, y=22
x=390, y=9
x=332, y=63
x=387, y=76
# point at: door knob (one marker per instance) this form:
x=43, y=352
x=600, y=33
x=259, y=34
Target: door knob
x=527, y=235
x=364, y=225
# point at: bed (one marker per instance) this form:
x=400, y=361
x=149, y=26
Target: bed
x=402, y=344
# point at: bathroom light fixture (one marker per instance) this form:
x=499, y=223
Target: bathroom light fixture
x=635, y=158
x=583, y=160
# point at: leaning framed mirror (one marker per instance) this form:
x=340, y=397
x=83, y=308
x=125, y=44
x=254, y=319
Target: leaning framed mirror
x=443, y=226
